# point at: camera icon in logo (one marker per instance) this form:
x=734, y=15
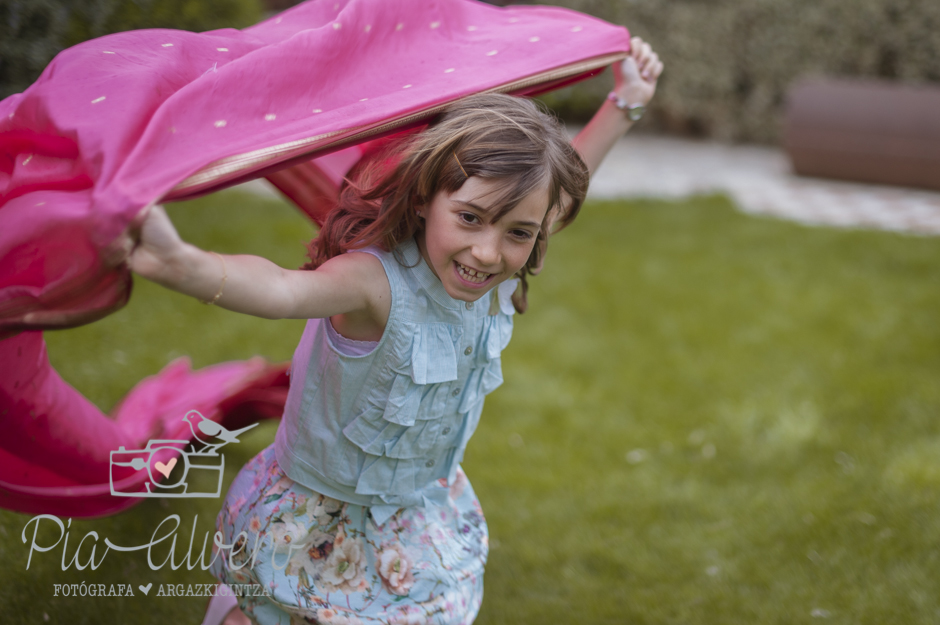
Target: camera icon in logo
x=174, y=468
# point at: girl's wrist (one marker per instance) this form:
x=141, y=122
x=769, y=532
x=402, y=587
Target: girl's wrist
x=633, y=95
x=619, y=122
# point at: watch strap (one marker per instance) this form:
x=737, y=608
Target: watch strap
x=633, y=111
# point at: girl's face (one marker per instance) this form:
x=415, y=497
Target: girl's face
x=468, y=250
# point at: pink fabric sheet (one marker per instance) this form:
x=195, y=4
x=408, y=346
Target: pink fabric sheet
x=121, y=122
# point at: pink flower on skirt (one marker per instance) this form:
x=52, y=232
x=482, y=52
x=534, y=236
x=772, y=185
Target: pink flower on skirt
x=460, y=482
x=395, y=567
x=345, y=568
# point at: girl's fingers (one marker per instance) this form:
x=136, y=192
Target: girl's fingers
x=649, y=70
x=645, y=54
x=656, y=69
x=647, y=61
x=130, y=239
x=636, y=48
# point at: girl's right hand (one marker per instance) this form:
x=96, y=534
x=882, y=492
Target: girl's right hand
x=636, y=77
x=157, y=246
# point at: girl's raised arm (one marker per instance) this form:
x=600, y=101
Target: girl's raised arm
x=634, y=83
x=254, y=285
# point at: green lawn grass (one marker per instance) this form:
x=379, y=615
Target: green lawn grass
x=707, y=418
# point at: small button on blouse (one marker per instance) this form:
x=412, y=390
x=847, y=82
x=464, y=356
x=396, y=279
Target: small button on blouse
x=468, y=351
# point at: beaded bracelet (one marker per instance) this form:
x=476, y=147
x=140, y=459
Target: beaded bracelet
x=222, y=285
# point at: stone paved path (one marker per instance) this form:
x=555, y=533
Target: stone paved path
x=759, y=180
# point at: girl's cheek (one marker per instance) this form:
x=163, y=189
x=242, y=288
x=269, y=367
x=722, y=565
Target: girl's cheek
x=520, y=261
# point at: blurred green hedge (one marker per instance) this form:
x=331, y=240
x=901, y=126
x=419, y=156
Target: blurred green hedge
x=729, y=63
x=32, y=32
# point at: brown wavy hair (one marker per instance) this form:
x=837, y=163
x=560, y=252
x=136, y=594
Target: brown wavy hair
x=495, y=137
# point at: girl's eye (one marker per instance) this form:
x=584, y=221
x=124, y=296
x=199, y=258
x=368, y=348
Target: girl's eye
x=469, y=218
x=522, y=235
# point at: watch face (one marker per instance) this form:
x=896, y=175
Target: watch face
x=636, y=112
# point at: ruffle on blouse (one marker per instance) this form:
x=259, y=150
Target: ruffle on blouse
x=400, y=433
x=430, y=343
x=378, y=437
x=497, y=330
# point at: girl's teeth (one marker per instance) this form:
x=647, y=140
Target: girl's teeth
x=472, y=275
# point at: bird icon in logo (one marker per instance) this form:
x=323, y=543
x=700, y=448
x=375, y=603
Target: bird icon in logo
x=210, y=433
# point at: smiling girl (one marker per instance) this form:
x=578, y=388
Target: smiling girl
x=360, y=511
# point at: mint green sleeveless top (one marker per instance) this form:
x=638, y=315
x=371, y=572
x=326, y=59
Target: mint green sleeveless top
x=388, y=428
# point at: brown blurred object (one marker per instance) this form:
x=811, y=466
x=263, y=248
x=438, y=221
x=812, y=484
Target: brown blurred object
x=863, y=130
x=276, y=6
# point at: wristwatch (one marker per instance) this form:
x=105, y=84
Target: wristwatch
x=633, y=111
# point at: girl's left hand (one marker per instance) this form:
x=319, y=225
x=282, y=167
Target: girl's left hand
x=636, y=77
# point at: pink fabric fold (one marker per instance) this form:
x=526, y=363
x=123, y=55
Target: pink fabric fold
x=56, y=448
x=121, y=122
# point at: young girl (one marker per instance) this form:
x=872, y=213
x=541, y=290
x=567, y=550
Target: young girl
x=359, y=512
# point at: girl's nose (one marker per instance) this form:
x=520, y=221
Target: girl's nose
x=486, y=251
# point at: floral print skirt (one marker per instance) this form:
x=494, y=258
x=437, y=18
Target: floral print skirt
x=308, y=558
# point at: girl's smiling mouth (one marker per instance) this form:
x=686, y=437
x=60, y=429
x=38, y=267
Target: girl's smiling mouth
x=472, y=276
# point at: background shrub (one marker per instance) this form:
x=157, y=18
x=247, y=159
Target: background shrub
x=32, y=32
x=730, y=62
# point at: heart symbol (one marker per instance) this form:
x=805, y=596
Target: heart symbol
x=146, y=589
x=165, y=470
